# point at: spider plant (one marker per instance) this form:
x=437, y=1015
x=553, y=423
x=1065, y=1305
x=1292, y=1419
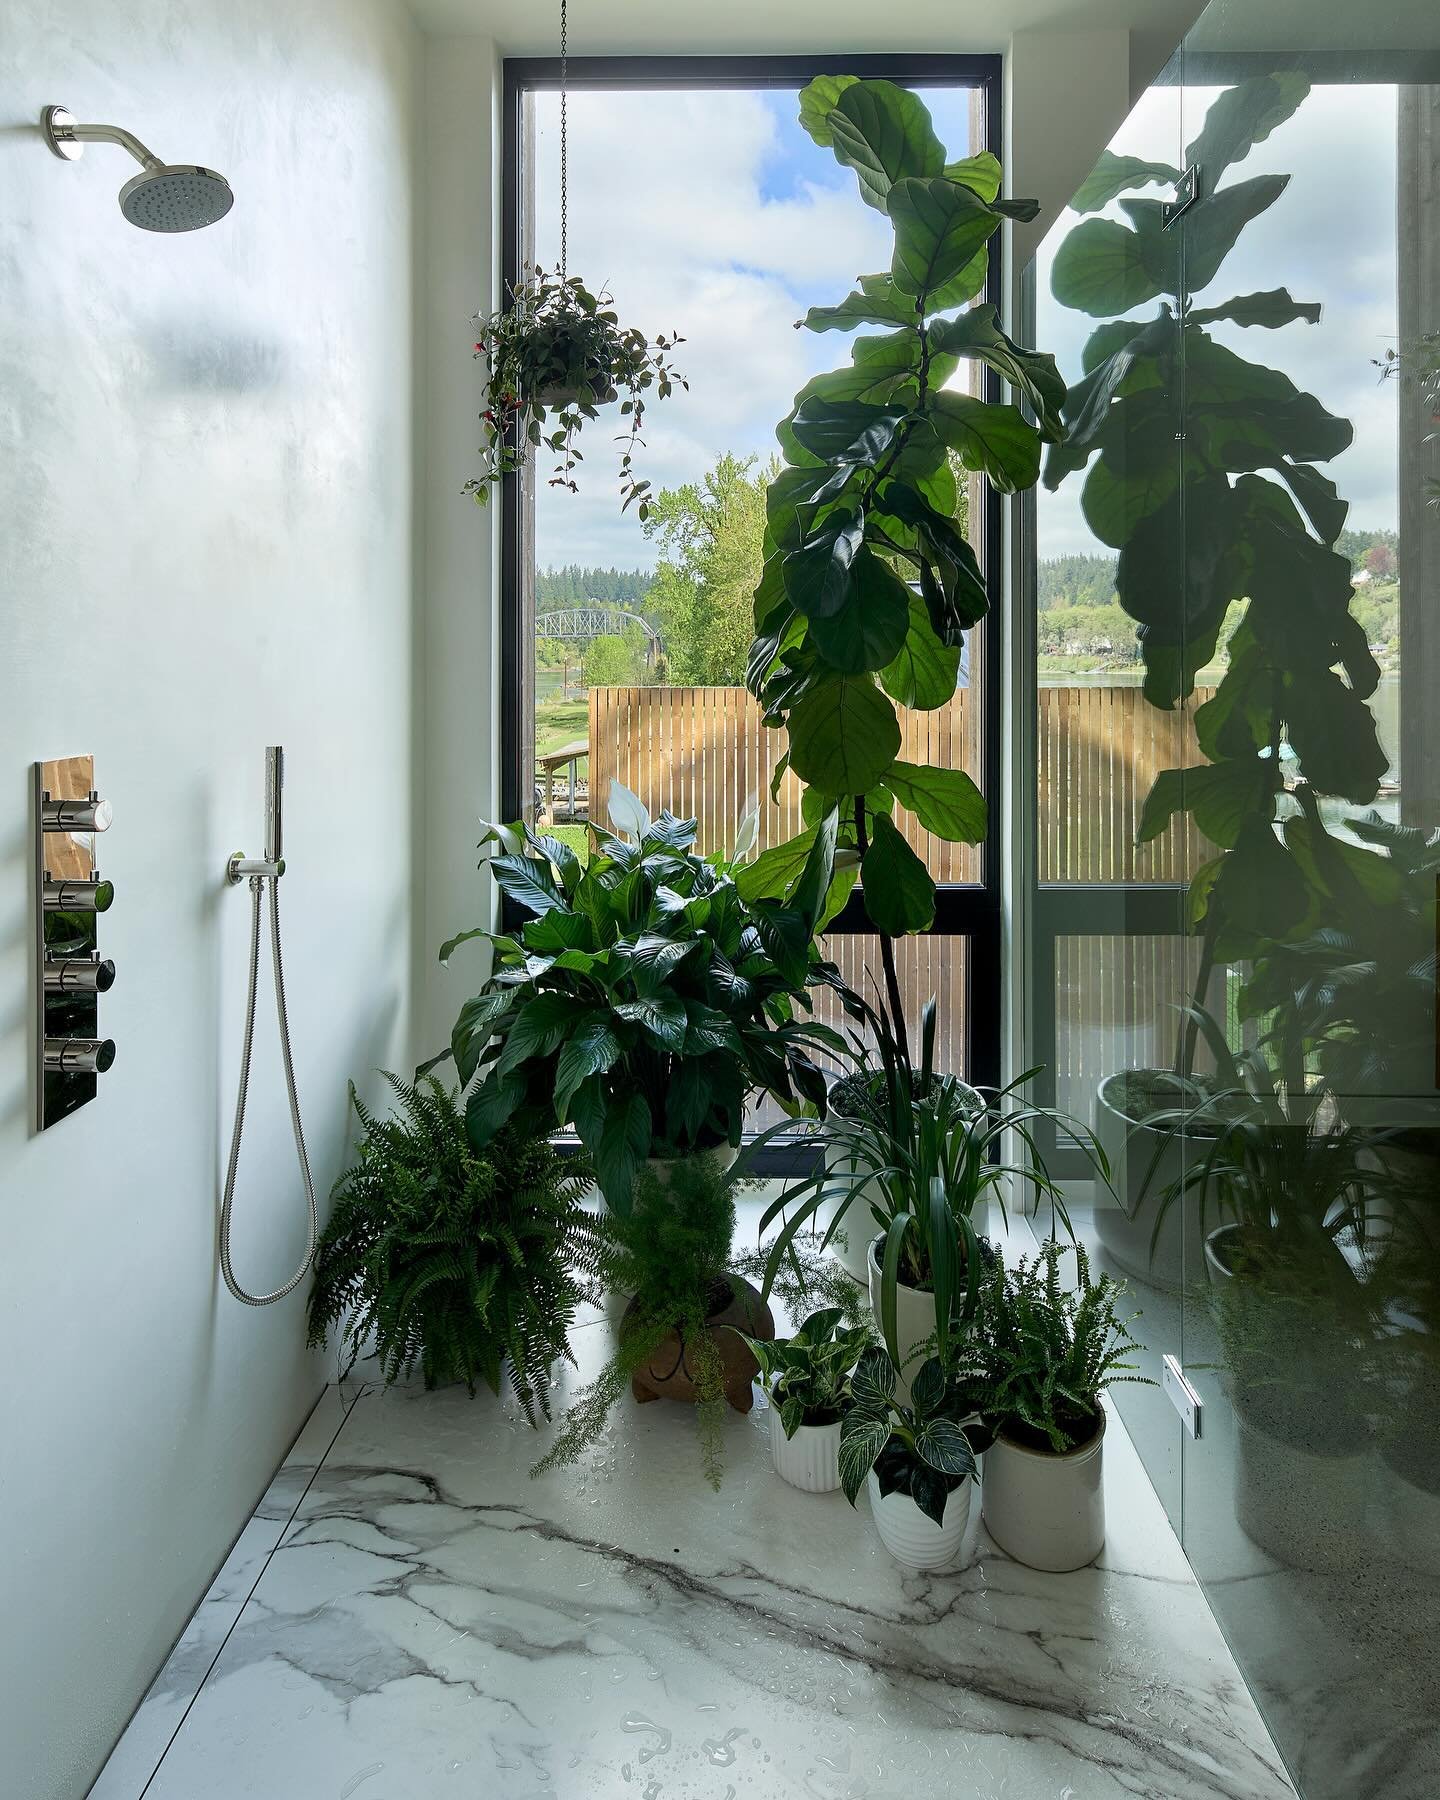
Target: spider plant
x=920, y=1161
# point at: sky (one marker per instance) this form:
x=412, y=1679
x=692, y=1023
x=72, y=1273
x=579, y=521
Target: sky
x=712, y=214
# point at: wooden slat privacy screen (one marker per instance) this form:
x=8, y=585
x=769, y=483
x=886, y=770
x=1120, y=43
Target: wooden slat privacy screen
x=703, y=754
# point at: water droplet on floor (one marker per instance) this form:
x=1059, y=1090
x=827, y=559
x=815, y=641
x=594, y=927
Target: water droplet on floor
x=721, y=1751
x=359, y=1776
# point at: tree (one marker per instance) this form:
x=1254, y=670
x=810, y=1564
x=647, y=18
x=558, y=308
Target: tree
x=1380, y=561
x=710, y=534
x=610, y=662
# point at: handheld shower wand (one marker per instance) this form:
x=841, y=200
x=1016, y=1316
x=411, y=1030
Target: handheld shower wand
x=266, y=871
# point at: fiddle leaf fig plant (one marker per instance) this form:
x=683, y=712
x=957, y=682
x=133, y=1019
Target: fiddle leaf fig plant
x=553, y=355
x=1245, y=519
x=869, y=583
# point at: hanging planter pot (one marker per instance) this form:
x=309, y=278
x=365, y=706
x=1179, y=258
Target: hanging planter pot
x=554, y=353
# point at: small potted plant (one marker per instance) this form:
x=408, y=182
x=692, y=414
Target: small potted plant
x=553, y=356
x=1041, y=1353
x=644, y=1001
x=807, y=1378
x=687, y=1331
x=915, y=1459
x=910, y=1173
x=469, y=1263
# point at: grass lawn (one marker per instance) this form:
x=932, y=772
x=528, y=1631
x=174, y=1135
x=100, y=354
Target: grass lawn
x=559, y=722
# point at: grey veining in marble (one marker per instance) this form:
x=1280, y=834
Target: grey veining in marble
x=138, y=1754
x=437, y=1624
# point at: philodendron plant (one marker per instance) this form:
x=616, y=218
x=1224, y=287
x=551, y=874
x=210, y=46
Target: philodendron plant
x=1253, y=517
x=808, y=1376
x=869, y=584
x=920, y=1449
x=643, y=1001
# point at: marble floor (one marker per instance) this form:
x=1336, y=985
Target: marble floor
x=411, y=1617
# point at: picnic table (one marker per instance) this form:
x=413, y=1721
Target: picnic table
x=568, y=756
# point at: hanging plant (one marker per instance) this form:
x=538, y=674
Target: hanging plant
x=556, y=352
x=553, y=356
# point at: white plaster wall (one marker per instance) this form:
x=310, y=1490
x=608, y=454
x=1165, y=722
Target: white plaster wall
x=206, y=545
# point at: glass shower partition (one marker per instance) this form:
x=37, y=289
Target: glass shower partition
x=1247, y=306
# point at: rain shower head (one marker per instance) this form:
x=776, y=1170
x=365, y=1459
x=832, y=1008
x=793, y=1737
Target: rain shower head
x=163, y=196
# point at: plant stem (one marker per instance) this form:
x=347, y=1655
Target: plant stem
x=895, y=1004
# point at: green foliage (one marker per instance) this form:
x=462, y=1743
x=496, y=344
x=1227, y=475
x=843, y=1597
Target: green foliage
x=670, y=1250
x=921, y=1450
x=573, y=584
x=1040, y=1351
x=868, y=584
x=918, y=1151
x=1362, y=987
x=808, y=1376
x=456, y=1259
x=710, y=535
x=1261, y=523
x=645, y=999
x=554, y=354
x=610, y=662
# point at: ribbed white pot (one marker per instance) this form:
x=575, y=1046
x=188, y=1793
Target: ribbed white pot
x=1045, y=1510
x=811, y=1459
x=914, y=1323
x=910, y=1536
x=858, y=1224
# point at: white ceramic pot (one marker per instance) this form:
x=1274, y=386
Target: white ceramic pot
x=1126, y=1226
x=914, y=1323
x=911, y=1537
x=811, y=1459
x=1046, y=1511
x=1307, y=1510
x=858, y=1224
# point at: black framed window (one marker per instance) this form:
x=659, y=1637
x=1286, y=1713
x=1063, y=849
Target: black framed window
x=695, y=745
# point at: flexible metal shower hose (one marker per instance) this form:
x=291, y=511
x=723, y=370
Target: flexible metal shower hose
x=257, y=882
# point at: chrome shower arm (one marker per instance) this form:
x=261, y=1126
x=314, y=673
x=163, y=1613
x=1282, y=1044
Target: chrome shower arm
x=61, y=129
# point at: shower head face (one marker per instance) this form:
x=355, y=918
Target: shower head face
x=176, y=197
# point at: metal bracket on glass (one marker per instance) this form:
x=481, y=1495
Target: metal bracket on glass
x=1183, y=1397
x=1187, y=192
x=70, y=1054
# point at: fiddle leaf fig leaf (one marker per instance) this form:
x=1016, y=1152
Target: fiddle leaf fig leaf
x=817, y=102
x=924, y=674
x=1100, y=269
x=1271, y=309
x=899, y=889
x=850, y=432
x=1115, y=175
x=1244, y=116
x=876, y=302
x=868, y=630
x=1215, y=222
x=939, y=228
x=844, y=735
x=945, y=801
x=1032, y=373
x=818, y=578
x=1221, y=796
x=981, y=172
x=884, y=133
x=997, y=440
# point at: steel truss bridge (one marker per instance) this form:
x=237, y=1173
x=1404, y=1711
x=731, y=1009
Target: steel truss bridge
x=583, y=624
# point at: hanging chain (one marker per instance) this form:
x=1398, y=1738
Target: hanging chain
x=564, y=139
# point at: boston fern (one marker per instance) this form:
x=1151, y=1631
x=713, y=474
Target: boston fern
x=920, y=1450
x=869, y=584
x=808, y=1376
x=1041, y=1352
x=644, y=1001
x=456, y=1259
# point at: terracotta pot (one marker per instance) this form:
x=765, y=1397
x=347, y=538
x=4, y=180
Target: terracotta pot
x=911, y=1536
x=811, y=1459
x=1047, y=1510
x=667, y=1375
x=914, y=1323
